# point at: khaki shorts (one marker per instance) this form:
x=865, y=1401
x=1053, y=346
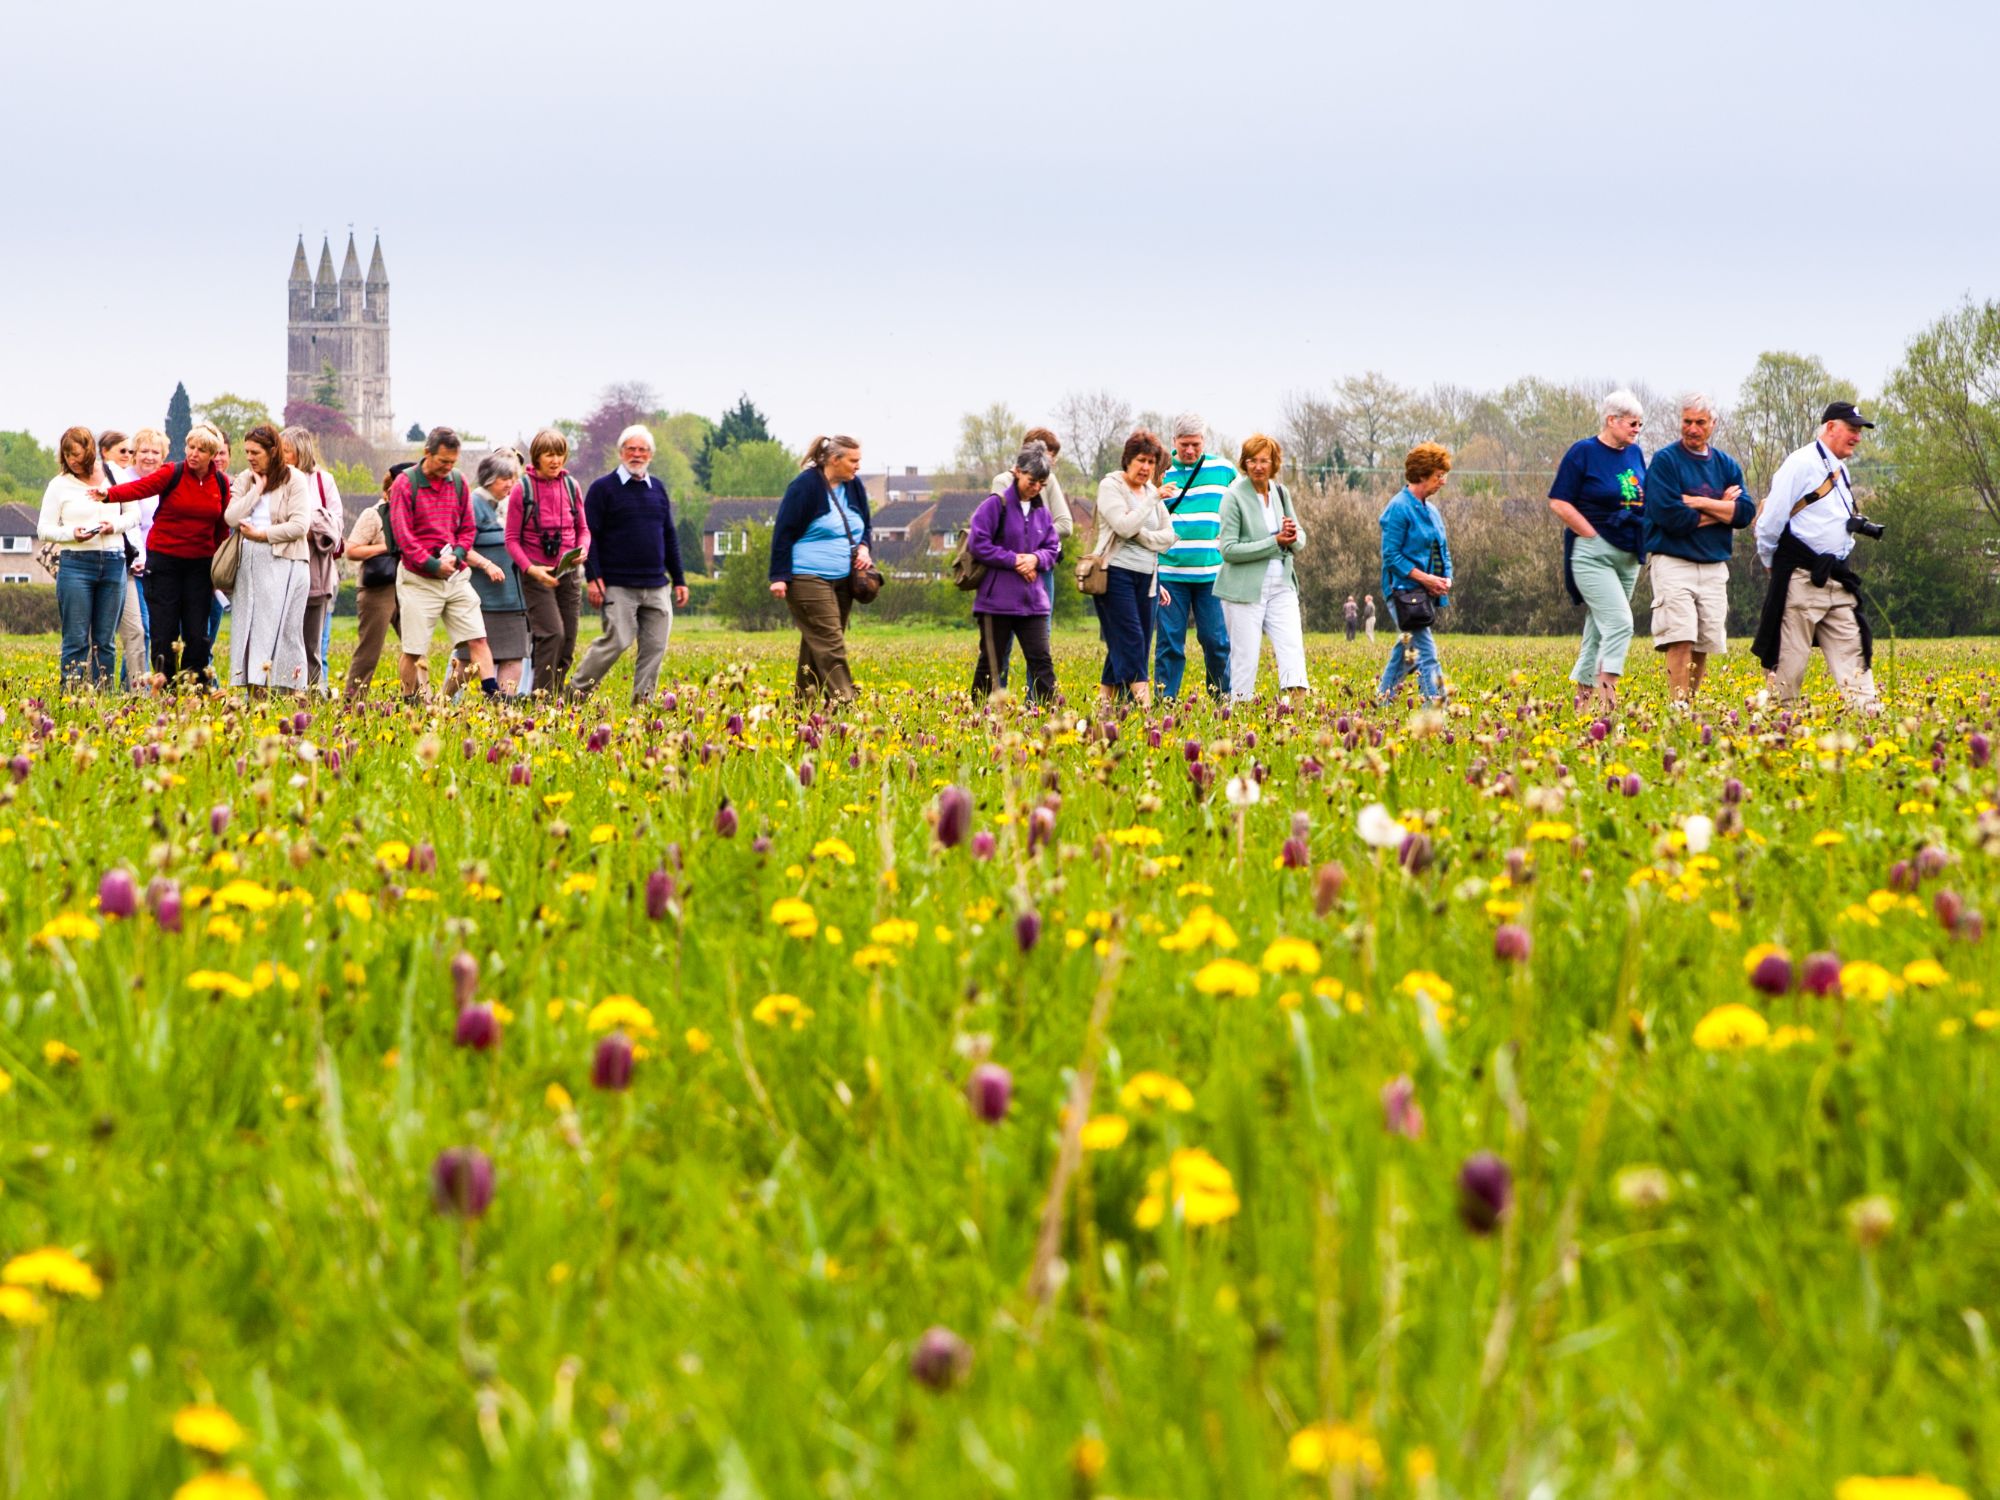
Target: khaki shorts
x=427, y=602
x=1690, y=604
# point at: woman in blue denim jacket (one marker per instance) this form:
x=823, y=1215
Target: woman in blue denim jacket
x=1415, y=555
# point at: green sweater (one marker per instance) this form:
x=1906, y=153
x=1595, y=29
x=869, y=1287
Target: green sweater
x=1248, y=544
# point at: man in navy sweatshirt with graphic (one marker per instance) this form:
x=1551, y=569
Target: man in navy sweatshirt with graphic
x=633, y=556
x=1694, y=507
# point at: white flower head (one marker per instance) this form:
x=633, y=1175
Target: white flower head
x=1699, y=830
x=1243, y=791
x=1377, y=828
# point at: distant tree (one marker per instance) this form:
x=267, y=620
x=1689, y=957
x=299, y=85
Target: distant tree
x=356, y=481
x=752, y=469
x=1374, y=418
x=415, y=434
x=742, y=423
x=1310, y=433
x=743, y=592
x=1778, y=410
x=26, y=466
x=1093, y=426
x=686, y=430
x=234, y=415
x=180, y=421
x=987, y=442
x=326, y=390
x=1943, y=422
x=621, y=404
x=324, y=421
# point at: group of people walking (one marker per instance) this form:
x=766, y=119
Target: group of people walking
x=1187, y=539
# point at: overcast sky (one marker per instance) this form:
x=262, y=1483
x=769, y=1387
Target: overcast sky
x=874, y=216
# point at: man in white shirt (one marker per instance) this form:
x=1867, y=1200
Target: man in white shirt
x=1803, y=537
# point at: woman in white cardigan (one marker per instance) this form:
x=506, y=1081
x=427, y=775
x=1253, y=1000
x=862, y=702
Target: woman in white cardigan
x=89, y=537
x=267, y=615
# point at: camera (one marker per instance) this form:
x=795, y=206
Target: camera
x=1862, y=526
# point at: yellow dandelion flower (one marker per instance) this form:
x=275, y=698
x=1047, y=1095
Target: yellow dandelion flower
x=874, y=956
x=1986, y=1020
x=356, y=904
x=219, y=1486
x=1912, y=1487
x=1334, y=1447
x=1194, y=888
x=1137, y=838
x=1105, y=1132
x=6, y=1081
x=1424, y=982
x=1925, y=974
x=894, y=933
x=1088, y=1458
x=21, y=1307
x=554, y=800
x=266, y=974
x=222, y=862
x=623, y=1013
x=1729, y=1028
x=209, y=1429
x=1143, y=1090
x=217, y=981
x=774, y=1008
x=353, y=973
x=1550, y=833
x=245, y=895
x=393, y=854
x=1867, y=982
x=604, y=833
x=834, y=849
x=53, y=1269
x=698, y=1041
x=224, y=927
x=1226, y=976
x=1199, y=928
x=1826, y=838
x=68, y=927
x=1291, y=956
x=1789, y=1036
x=60, y=1054
x=795, y=916
x=556, y=1099
x=1204, y=1192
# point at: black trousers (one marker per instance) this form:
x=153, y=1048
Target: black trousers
x=178, y=596
x=997, y=634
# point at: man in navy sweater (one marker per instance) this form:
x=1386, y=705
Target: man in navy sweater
x=633, y=555
x=1694, y=506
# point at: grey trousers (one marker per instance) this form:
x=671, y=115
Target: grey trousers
x=642, y=615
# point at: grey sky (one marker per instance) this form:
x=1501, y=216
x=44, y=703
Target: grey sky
x=874, y=216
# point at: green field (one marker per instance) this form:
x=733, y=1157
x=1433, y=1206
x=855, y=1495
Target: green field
x=1722, y=1253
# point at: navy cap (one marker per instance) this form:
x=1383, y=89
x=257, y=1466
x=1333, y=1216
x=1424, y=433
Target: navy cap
x=1845, y=411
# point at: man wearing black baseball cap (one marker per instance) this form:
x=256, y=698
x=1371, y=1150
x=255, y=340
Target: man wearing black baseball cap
x=1804, y=535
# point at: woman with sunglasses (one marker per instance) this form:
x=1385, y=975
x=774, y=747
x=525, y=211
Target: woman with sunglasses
x=1599, y=493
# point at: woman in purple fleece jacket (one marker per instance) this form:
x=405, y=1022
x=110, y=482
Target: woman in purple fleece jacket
x=1013, y=534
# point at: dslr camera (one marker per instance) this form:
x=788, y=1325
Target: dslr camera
x=1862, y=526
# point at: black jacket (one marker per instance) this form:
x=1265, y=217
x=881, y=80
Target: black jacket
x=1792, y=555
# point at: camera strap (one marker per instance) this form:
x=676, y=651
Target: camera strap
x=1827, y=486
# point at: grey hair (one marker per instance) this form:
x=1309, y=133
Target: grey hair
x=1033, y=461
x=305, y=448
x=1620, y=403
x=496, y=466
x=440, y=438
x=1698, y=401
x=1189, y=424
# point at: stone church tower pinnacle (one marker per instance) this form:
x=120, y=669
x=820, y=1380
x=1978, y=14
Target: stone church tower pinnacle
x=339, y=327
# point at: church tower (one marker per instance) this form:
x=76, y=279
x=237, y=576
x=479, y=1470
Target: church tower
x=343, y=323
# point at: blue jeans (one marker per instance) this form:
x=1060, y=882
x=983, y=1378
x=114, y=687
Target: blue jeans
x=1125, y=616
x=90, y=596
x=1187, y=597
x=1421, y=657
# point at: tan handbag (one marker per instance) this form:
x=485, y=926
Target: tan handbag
x=228, y=558
x=1093, y=573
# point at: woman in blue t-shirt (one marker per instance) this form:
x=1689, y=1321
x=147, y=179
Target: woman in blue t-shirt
x=821, y=536
x=1599, y=492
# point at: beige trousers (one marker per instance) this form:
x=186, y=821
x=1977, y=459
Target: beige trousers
x=132, y=638
x=1822, y=616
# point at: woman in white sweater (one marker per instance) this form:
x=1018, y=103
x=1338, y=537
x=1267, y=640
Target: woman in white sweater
x=267, y=615
x=1134, y=526
x=89, y=536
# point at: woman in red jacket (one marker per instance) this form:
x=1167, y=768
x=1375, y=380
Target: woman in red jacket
x=187, y=528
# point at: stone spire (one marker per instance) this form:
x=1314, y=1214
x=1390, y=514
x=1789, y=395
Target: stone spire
x=300, y=271
x=350, y=269
x=325, y=277
x=378, y=274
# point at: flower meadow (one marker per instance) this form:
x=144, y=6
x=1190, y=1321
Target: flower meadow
x=716, y=1098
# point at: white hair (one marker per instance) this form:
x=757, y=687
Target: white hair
x=1189, y=424
x=639, y=430
x=1698, y=401
x=1620, y=403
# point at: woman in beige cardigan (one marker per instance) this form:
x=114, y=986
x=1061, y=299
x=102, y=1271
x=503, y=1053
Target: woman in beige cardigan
x=267, y=614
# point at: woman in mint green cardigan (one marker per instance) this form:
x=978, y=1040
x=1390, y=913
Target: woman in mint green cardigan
x=1258, y=537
